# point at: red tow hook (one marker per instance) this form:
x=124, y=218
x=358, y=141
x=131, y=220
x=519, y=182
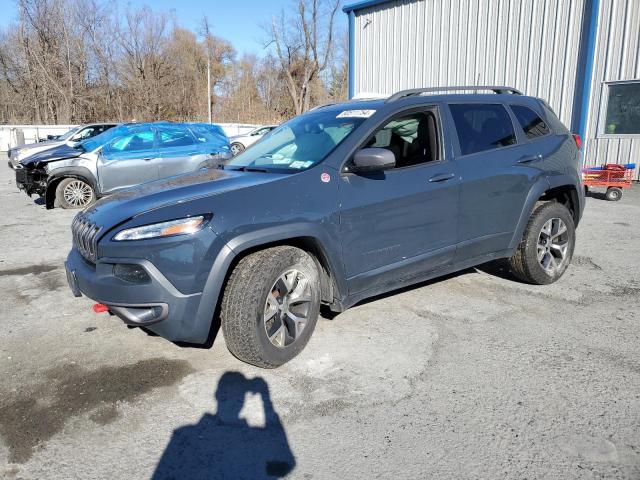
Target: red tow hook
x=100, y=308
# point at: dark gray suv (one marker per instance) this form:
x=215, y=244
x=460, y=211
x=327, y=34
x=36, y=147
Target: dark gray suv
x=342, y=203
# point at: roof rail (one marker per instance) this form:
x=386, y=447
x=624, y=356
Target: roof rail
x=418, y=91
x=317, y=107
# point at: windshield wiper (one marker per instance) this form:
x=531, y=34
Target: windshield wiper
x=249, y=169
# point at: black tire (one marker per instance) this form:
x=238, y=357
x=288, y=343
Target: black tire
x=236, y=148
x=613, y=194
x=88, y=194
x=244, y=304
x=525, y=263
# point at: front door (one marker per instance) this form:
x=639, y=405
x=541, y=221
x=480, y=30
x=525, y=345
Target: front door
x=401, y=222
x=128, y=160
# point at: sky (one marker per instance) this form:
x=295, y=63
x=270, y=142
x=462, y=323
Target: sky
x=238, y=21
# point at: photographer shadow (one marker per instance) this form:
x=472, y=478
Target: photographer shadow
x=226, y=446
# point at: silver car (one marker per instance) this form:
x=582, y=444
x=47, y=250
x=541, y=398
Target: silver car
x=72, y=138
x=125, y=156
x=240, y=142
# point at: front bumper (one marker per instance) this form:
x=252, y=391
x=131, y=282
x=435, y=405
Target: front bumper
x=156, y=304
x=30, y=180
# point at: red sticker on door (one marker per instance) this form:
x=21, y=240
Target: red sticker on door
x=325, y=177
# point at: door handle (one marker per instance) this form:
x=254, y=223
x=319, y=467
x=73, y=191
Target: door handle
x=530, y=158
x=148, y=158
x=441, y=177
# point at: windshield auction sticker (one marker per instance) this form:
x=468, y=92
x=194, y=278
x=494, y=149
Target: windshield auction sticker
x=356, y=113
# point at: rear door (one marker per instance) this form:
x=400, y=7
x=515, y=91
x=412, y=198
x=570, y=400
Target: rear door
x=497, y=168
x=178, y=151
x=400, y=223
x=128, y=160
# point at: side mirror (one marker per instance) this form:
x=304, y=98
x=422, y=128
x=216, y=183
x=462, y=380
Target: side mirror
x=373, y=159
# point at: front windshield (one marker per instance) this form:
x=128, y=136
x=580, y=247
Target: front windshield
x=300, y=143
x=91, y=144
x=69, y=134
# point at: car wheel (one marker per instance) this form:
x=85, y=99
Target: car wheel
x=547, y=245
x=236, y=148
x=613, y=194
x=270, y=306
x=74, y=193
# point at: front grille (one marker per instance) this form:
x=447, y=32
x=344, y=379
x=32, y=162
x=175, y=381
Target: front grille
x=85, y=236
x=21, y=174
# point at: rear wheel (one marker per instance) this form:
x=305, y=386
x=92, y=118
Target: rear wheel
x=74, y=193
x=236, y=148
x=270, y=306
x=547, y=245
x=613, y=194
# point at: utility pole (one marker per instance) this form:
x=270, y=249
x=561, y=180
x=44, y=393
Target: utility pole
x=209, y=84
x=207, y=38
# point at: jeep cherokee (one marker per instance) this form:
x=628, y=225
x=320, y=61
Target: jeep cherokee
x=339, y=204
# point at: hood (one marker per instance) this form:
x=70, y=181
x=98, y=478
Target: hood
x=55, y=152
x=121, y=206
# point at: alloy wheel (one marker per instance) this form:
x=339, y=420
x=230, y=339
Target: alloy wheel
x=78, y=193
x=286, y=311
x=553, y=245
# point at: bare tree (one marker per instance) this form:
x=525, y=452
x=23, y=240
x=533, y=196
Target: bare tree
x=74, y=61
x=303, y=46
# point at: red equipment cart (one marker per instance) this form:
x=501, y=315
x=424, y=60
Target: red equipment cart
x=612, y=177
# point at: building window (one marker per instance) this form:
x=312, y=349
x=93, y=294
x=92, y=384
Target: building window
x=623, y=109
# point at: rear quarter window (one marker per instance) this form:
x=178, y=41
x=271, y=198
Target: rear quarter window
x=482, y=127
x=530, y=122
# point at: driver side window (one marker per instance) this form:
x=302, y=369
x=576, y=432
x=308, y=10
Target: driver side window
x=412, y=138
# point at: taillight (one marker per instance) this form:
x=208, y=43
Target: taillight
x=578, y=140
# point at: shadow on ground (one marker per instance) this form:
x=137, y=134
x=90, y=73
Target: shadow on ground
x=226, y=446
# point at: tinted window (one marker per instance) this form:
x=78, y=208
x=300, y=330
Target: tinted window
x=530, y=122
x=262, y=131
x=175, y=137
x=411, y=138
x=133, y=142
x=623, y=109
x=482, y=127
x=85, y=133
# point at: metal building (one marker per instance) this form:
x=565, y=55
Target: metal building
x=581, y=56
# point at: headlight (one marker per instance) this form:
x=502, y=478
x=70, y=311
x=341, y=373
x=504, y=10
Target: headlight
x=182, y=226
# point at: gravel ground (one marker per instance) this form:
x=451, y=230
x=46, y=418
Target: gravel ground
x=470, y=376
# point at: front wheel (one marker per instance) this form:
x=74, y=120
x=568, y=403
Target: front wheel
x=74, y=193
x=547, y=245
x=270, y=306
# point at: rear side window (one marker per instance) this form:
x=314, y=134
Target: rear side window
x=530, y=122
x=175, y=137
x=482, y=127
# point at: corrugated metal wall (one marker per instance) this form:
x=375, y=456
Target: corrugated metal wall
x=617, y=58
x=528, y=44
